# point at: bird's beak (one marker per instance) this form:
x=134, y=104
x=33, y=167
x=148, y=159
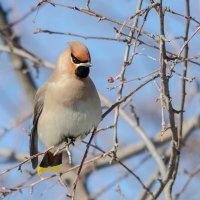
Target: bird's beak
x=87, y=64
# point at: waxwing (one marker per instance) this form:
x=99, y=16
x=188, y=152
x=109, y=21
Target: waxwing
x=66, y=107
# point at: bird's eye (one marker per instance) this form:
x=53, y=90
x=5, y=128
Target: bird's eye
x=75, y=60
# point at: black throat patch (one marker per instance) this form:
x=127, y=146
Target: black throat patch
x=82, y=71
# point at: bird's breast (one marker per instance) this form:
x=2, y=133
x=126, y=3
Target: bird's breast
x=68, y=112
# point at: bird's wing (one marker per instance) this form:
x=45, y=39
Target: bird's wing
x=39, y=102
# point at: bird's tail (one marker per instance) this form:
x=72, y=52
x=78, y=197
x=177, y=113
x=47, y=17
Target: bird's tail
x=50, y=162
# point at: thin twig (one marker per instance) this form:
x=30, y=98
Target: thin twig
x=17, y=21
x=156, y=75
x=191, y=176
x=168, y=103
x=39, y=30
x=124, y=166
x=188, y=40
x=122, y=77
x=81, y=165
x=20, y=51
x=26, y=160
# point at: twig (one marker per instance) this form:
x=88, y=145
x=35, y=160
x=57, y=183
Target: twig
x=168, y=103
x=137, y=37
x=101, y=17
x=183, y=89
x=156, y=75
x=150, y=183
x=14, y=124
x=121, y=76
x=39, y=30
x=27, y=55
x=122, y=195
x=120, y=178
x=191, y=176
x=124, y=166
x=188, y=17
x=54, y=175
x=133, y=79
x=188, y=40
x=26, y=160
x=17, y=21
x=88, y=4
x=81, y=165
x=147, y=9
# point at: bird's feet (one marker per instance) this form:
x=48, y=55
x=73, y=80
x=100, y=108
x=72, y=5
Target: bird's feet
x=70, y=140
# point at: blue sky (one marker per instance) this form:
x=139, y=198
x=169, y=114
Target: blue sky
x=107, y=59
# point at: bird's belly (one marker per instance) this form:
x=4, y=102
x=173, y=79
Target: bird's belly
x=60, y=122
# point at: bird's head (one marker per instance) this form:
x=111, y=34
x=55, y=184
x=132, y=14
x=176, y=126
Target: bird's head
x=75, y=60
x=80, y=59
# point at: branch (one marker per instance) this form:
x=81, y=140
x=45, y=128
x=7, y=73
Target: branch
x=21, y=68
x=21, y=52
x=39, y=30
x=137, y=148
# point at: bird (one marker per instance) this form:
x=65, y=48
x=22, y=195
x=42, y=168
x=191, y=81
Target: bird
x=67, y=106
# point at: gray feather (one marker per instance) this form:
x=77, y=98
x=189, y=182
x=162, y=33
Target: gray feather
x=39, y=101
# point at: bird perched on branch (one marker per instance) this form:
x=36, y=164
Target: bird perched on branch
x=67, y=106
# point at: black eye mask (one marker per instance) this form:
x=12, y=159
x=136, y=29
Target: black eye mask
x=76, y=60
x=82, y=71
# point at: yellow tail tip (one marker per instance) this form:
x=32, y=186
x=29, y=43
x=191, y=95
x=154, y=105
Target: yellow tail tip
x=41, y=170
